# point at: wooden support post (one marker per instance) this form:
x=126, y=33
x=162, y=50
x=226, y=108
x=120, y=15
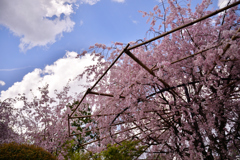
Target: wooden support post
x=68, y=126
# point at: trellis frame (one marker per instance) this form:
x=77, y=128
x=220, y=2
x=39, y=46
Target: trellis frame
x=128, y=49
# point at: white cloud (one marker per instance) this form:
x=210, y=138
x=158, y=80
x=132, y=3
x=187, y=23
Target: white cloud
x=13, y=69
x=223, y=3
x=135, y=22
x=119, y=1
x=56, y=75
x=91, y=2
x=81, y=23
x=37, y=22
x=2, y=83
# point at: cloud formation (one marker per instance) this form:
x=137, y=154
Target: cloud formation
x=135, y=22
x=223, y=3
x=13, y=69
x=56, y=76
x=91, y=2
x=119, y=1
x=37, y=22
x=81, y=23
x=2, y=83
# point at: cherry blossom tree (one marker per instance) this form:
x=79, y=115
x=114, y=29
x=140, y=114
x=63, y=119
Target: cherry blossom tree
x=184, y=102
x=41, y=120
x=7, y=121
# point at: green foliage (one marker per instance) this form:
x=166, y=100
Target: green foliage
x=75, y=150
x=128, y=150
x=85, y=156
x=80, y=124
x=80, y=156
x=15, y=151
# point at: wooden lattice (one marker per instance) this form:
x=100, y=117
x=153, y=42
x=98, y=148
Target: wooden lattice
x=142, y=126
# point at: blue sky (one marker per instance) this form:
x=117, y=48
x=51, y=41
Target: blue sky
x=40, y=38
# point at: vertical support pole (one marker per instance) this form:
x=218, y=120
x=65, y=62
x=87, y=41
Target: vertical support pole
x=68, y=126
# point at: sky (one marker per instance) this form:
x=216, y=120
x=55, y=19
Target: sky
x=39, y=39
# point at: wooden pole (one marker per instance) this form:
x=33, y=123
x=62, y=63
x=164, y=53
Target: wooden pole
x=68, y=126
x=139, y=62
x=103, y=94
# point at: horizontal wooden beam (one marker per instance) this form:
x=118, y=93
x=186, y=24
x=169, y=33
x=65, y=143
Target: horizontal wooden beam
x=103, y=94
x=109, y=136
x=139, y=62
x=110, y=114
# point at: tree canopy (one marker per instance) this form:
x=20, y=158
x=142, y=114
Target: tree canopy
x=179, y=95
